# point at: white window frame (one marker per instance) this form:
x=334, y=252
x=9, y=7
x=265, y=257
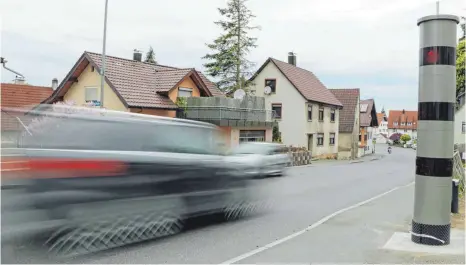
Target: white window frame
x=309, y=109
x=185, y=89
x=330, y=138
x=321, y=110
x=86, y=93
x=320, y=136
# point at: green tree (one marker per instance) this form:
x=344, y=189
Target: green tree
x=405, y=138
x=228, y=61
x=150, y=56
x=276, y=135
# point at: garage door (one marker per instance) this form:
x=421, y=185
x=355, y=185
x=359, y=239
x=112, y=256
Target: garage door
x=252, y=136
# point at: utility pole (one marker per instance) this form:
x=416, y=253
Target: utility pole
x=102, y=71
x=434, y=160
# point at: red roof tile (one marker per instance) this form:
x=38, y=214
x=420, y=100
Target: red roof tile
x=380, y=117
x=349, y=98
x=20, y=96
x=305, y=82
x=401, y=116
x=141, y=84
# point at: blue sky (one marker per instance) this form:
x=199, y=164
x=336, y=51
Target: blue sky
x=366, y=44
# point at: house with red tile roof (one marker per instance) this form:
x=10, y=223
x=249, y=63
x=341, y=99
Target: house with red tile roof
x=132, y=85
x=15, y=97
x=306, y=111
x=154, y=89
x=367, y=123
x=381, y=132
x=403, y=121
x=348, y=131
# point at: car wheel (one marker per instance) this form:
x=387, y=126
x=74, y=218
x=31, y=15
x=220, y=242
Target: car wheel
x=84, y=237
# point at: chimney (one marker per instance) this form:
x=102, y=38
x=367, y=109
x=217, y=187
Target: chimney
x=137, y=55
x=20, y=80
x=54, y=84
x=292, y=58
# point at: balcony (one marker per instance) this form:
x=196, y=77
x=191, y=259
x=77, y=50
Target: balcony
x=247, y=112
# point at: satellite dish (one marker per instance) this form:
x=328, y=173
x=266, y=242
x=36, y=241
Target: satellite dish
x=267, y=90
x=239, y=94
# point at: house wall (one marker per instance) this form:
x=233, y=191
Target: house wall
x=459, y=119
x=88, y=78
x=348, y=141
x=326, y=127
x=186, y=83
x=345, y=142
x=294, y=125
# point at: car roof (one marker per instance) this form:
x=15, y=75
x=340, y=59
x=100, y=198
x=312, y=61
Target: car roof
x=90, y=113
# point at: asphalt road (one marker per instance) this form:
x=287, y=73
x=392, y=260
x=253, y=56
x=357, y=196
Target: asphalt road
x=301, y=198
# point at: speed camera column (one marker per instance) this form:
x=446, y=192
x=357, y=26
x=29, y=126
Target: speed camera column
x=434, y=161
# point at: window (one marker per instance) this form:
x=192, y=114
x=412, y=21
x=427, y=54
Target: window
x=395, y=123
x=410, y=123
x=402, y=124
x=277, y=111
x=406, y=130
x=185, y=92
x=463, y=127
x=365, y=138
x=272, y=83
x=321, y=113
x=332, y=139
x=91, y=94
x=309, y=112
x=332, y=115
x=320, y=139
x=360, y=137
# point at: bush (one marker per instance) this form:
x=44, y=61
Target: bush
x=276, y=135
x=395, y=138
x=405, y=138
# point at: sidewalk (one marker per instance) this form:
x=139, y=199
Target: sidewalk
x=360, y=236
x=367, y=158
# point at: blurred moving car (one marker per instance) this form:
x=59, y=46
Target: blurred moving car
x=264, y=159
x=96, y=180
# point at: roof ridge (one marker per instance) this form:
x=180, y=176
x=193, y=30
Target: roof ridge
x=295, y=66
x=126, y=59
x=26, y=85
x=176, y=69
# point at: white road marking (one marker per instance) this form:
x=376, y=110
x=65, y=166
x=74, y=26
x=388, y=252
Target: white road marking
x=314, y=225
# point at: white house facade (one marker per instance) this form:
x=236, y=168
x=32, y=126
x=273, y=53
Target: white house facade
x=306, y=111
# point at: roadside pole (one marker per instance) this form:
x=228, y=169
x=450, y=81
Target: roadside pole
x=434, y=161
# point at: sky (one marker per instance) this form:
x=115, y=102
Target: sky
x=366, y=44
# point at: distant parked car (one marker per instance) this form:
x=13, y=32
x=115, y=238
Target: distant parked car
x=414, y=146
x=265, y=159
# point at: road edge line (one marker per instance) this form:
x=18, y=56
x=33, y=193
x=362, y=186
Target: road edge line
x=310, y=227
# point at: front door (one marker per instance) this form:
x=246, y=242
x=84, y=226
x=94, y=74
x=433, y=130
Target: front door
x=310, y=142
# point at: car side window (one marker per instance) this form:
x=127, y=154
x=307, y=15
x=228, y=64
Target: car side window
x=181, y=139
